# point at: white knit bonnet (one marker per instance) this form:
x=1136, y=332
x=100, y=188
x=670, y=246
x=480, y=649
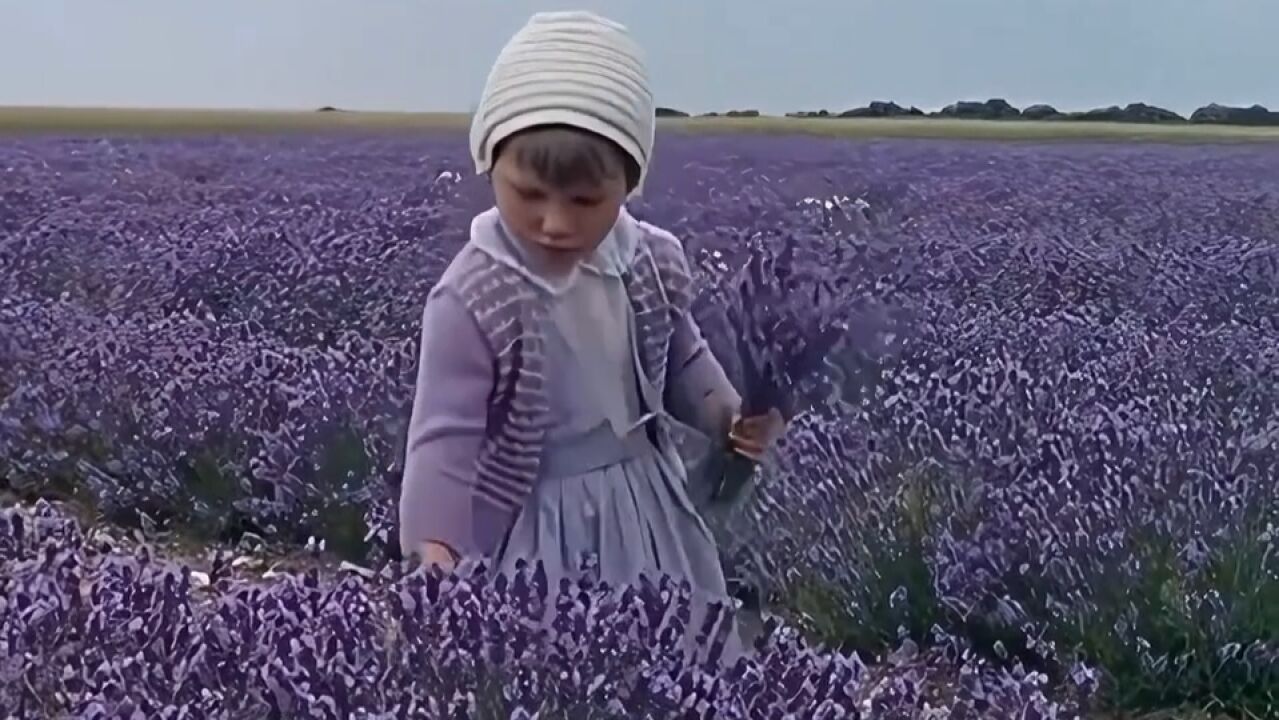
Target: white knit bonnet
x=572, y=68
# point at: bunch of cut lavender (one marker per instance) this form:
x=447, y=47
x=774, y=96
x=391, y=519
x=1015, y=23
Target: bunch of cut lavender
x=784, y=328
x=788, y=320
x=799, y=309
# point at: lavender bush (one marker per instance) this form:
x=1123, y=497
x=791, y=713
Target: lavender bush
x=1034, y=391
x=96, y=629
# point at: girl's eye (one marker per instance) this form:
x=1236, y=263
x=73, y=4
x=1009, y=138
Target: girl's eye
x=530, y=194
x=586, y=201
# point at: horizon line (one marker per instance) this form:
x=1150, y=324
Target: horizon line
x=692, y=113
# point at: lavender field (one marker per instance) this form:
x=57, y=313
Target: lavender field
x=1037, y=477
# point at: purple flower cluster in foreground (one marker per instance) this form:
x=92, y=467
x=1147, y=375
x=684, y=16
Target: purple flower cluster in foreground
x=95, y=629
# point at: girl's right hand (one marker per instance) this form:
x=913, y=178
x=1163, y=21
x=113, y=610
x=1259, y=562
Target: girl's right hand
x=439, y=554
x=753, y=436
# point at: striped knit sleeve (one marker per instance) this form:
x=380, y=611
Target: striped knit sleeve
x=446, y=431
x=698, y=391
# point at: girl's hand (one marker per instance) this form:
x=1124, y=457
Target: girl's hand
x=753, y=436
x=439, y=554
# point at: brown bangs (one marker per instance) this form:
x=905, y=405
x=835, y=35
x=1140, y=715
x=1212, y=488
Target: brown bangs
x=564, y=156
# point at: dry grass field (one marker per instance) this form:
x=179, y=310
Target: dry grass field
x=100, y=121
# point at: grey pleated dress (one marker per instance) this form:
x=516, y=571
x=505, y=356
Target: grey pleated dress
x=605, y=488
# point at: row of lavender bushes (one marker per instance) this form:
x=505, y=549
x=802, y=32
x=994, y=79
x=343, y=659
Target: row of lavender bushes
x=1073, y=459
x=91, y=628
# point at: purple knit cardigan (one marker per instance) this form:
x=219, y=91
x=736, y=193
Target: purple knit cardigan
x=480, y=410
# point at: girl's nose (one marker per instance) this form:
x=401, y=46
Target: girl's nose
x=557, y=224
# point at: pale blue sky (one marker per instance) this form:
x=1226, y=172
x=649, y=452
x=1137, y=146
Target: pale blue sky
x=705, y=54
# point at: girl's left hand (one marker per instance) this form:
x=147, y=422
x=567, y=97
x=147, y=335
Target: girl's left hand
x=753, y=436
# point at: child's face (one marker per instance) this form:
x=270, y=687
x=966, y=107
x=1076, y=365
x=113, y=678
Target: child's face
x=560, y=226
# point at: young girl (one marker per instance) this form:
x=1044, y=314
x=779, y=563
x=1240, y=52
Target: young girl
x=559, y=360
